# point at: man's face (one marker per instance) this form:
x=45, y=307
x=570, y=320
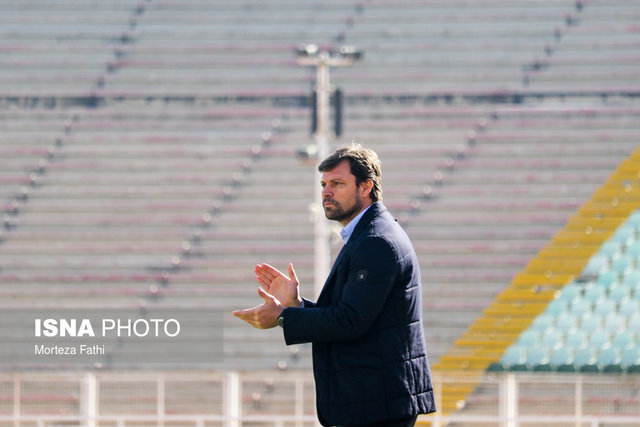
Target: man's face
x=341, y=198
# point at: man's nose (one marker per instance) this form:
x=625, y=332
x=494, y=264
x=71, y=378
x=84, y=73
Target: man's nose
x=326, y=192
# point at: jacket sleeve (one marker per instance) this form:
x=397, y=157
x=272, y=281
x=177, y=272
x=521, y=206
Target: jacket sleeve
x=308, y=303
x=371, y=274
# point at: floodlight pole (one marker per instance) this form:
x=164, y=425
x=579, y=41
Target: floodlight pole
x=322, y=250
x=322, y=61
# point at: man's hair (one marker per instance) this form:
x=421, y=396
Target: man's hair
x=364, y=163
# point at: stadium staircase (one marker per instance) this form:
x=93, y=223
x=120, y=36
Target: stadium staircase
x=559, y=263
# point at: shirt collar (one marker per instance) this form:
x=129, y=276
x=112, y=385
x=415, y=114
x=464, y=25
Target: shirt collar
x=346, y=232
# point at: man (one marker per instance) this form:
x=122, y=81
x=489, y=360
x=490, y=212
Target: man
x=369, y=354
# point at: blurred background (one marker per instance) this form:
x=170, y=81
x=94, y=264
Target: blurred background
x=153, y=151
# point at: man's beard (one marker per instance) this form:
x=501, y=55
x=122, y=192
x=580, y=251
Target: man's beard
x=338, y=213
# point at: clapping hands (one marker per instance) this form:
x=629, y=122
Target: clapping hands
x=278, y=292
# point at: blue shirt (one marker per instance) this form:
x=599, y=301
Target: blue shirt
x=346, y=232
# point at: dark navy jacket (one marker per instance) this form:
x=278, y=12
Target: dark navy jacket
x=369, y=354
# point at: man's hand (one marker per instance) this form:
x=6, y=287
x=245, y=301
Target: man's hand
x=264, y=316
x=284, y=289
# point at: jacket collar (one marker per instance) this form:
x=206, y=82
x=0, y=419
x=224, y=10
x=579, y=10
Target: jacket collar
x=376, y=209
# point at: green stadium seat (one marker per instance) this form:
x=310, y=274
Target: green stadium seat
x=624, y=235
x=634, y=220
x=552, y=338
x=628, y=307
x=566, y=323
x=599, y=339
x=633, y=278
x=615, y=323
x=604, y=307
x=634, y=250
x=496, y=367
x=619, y=293
x=566, y=368
x=542, y=322
x=562, y=358
x=581, y=306
x=613, y=368
x=609, y=360
x=585, y=360
x=624, y=340
x=515, y=358
x=611, y=250
x=634, y=323
x=577, y=339
x=633, y=369
x=542, y=367
x=529, y=338
x=622, y=266
x=609, y=278
x=595, y=293
x=630, y=358
x=538, y=358
x=557, y=306
x=584, y=356
x=597, y=264
x=571, y=292
x=591, y=322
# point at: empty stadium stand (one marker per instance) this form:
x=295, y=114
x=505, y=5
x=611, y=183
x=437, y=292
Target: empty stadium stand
x=148, y=157
x=592, y=323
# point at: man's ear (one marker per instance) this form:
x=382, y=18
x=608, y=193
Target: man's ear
x=367, y=186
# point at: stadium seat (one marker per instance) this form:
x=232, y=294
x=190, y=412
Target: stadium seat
x=515, y=358
x=633, y=278
x=629, y=307
x=624, y=235
x=619, y=293
x=620, y=267
x=615, y=323
x=597, y=264
x=634, y=323
x=591, y=322
x=611, y=250
x=557, y=306
x=529, y=338
x=570, y=292
x=634, y=221
x=609, y=360
x=633, y=251
x=552, y=338
x=562, y=359
x=630, y=359
x=624, y=339
x=599, y=338
x=577, y=339
x=595, y=293
x=543, y=322
x=604, y=307
x=609, y=278
x=585, y=360
x=538, y=358
x=581, y=306
x=497, y=367
x=566, y=323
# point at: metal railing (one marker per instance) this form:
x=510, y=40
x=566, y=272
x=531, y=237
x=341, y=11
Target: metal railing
x=279, y=399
